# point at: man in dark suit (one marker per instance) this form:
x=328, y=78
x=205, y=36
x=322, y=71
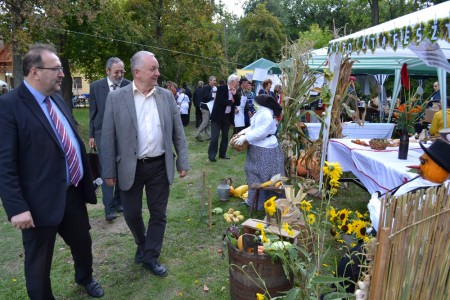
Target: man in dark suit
x=142, y=125
x=222, y=116
x=45, y=179
x=99, y=90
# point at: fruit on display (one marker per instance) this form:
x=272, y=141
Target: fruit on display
x=233, y=216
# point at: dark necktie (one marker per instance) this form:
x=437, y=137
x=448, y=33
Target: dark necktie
x=69, y=150
x=114, y=86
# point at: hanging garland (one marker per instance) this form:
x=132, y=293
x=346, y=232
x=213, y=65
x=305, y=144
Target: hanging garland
x=432, y=30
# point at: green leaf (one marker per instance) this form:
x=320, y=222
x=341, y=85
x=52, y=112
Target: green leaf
x=336, y=295
x=327, y=279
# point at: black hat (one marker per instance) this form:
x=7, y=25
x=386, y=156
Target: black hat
x=439, y=152
x=269, y=102
x=243, y=79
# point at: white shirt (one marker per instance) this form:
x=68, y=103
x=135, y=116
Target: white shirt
x=110, y=83
x=262, y=124
x=183, y=103
x=149, y=132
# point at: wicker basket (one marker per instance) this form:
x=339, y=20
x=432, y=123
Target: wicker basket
x=238, y=148
x=378, y=144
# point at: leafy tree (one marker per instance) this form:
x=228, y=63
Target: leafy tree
x=319, y=37
x=262, y=35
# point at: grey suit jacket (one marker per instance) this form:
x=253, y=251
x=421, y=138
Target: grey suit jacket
x=98, y=92
x=119, y=136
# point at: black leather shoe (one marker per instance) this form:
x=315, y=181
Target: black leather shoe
x=110, y=217
x=139, y=256
x=212, y=160
x=94, y=289
x=224, y=157
x=119, y=209
x=157, y=268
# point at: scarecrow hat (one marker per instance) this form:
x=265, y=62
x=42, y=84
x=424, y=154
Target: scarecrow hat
x=269, y=102
x=439, y=152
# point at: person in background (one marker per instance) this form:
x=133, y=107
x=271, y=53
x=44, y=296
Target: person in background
x=98, y=91
x=222, y=115
x=45, y=178
x=438, y=119
x=188, y=93
x=278, y=91
x=197, y=100
x=207, y=96
x=436, y=96
x=222, y=82
x=183, y=104
x=4, y=89
x=267, y=85
x=264, y=156
x=140, y=130
x=249, y=109
x=239, y=111
x=173, y=87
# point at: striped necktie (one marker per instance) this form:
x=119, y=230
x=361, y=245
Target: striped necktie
x=69, y=150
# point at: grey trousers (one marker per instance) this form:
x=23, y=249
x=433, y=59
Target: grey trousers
x=205, y=124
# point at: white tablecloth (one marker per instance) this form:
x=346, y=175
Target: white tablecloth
x=377, y=170
x=355, y=131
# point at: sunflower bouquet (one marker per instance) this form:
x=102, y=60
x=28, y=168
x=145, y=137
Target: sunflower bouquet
x=347, y=223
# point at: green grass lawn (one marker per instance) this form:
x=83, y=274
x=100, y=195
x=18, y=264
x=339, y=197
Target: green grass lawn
x=191, y=251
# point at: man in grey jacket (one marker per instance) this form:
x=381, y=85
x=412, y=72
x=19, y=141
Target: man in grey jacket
x=141, y=125
x=99, y=90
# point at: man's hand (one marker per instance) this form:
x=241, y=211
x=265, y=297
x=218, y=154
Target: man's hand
x=111, y=181
x=182, y=173
x=91, y=143
x=23, y=221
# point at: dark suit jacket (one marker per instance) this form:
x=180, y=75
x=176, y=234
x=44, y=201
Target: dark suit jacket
x=32, y=161
x=98, y=91
x=218, y=112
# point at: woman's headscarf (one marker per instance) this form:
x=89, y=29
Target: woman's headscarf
x=269, y=102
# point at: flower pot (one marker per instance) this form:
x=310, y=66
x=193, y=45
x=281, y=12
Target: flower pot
x=246, y=285
x=404, y=145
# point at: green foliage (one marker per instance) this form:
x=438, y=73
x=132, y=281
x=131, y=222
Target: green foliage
x=262, y=36
x=320, y=37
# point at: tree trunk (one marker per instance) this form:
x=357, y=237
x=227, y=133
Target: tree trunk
x=375, y=12
x=159, y=29
x=66, y=85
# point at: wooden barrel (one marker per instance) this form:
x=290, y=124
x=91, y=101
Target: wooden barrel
x=244, y=286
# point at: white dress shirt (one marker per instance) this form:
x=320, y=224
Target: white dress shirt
x=150, y=136
x=262, y=124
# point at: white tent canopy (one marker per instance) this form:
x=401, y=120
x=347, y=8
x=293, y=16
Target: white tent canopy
x=386, y=60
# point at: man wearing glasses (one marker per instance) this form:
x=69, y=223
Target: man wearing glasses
x=436, y=96
x=99, y=90
x=45, y=178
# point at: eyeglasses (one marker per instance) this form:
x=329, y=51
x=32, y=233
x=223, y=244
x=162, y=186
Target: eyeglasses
x=58, y=69
x=435, y=86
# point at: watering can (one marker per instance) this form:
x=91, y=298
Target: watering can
x=223, y=190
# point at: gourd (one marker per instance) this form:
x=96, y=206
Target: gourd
x=431, y=171
x=239, y=191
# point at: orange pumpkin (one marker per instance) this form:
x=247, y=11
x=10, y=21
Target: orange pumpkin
x=432, y=171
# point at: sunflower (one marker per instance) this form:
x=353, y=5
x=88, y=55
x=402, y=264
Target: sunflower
x=359, y=228
x=288, y=229
x=334, y=182
x=305, y=206
x=346, y=228
x=311, y=219
x=332, y=214
x=270, y=206
x=260, y=296
x=343, y=215
x=264, y=238
x=333, y=191
x=332, y=170
x=334, y=232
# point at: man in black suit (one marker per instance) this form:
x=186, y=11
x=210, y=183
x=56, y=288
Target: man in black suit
x=222, y=116
x=115, y=69
x=45, y=179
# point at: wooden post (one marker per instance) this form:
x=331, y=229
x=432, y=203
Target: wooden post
x=203, y=191
x=210, y=208
x=379, y=267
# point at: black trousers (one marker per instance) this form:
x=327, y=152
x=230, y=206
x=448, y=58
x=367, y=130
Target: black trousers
x=198, y=117
x=217, y=128
x=151, y=174
x=39, y=244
